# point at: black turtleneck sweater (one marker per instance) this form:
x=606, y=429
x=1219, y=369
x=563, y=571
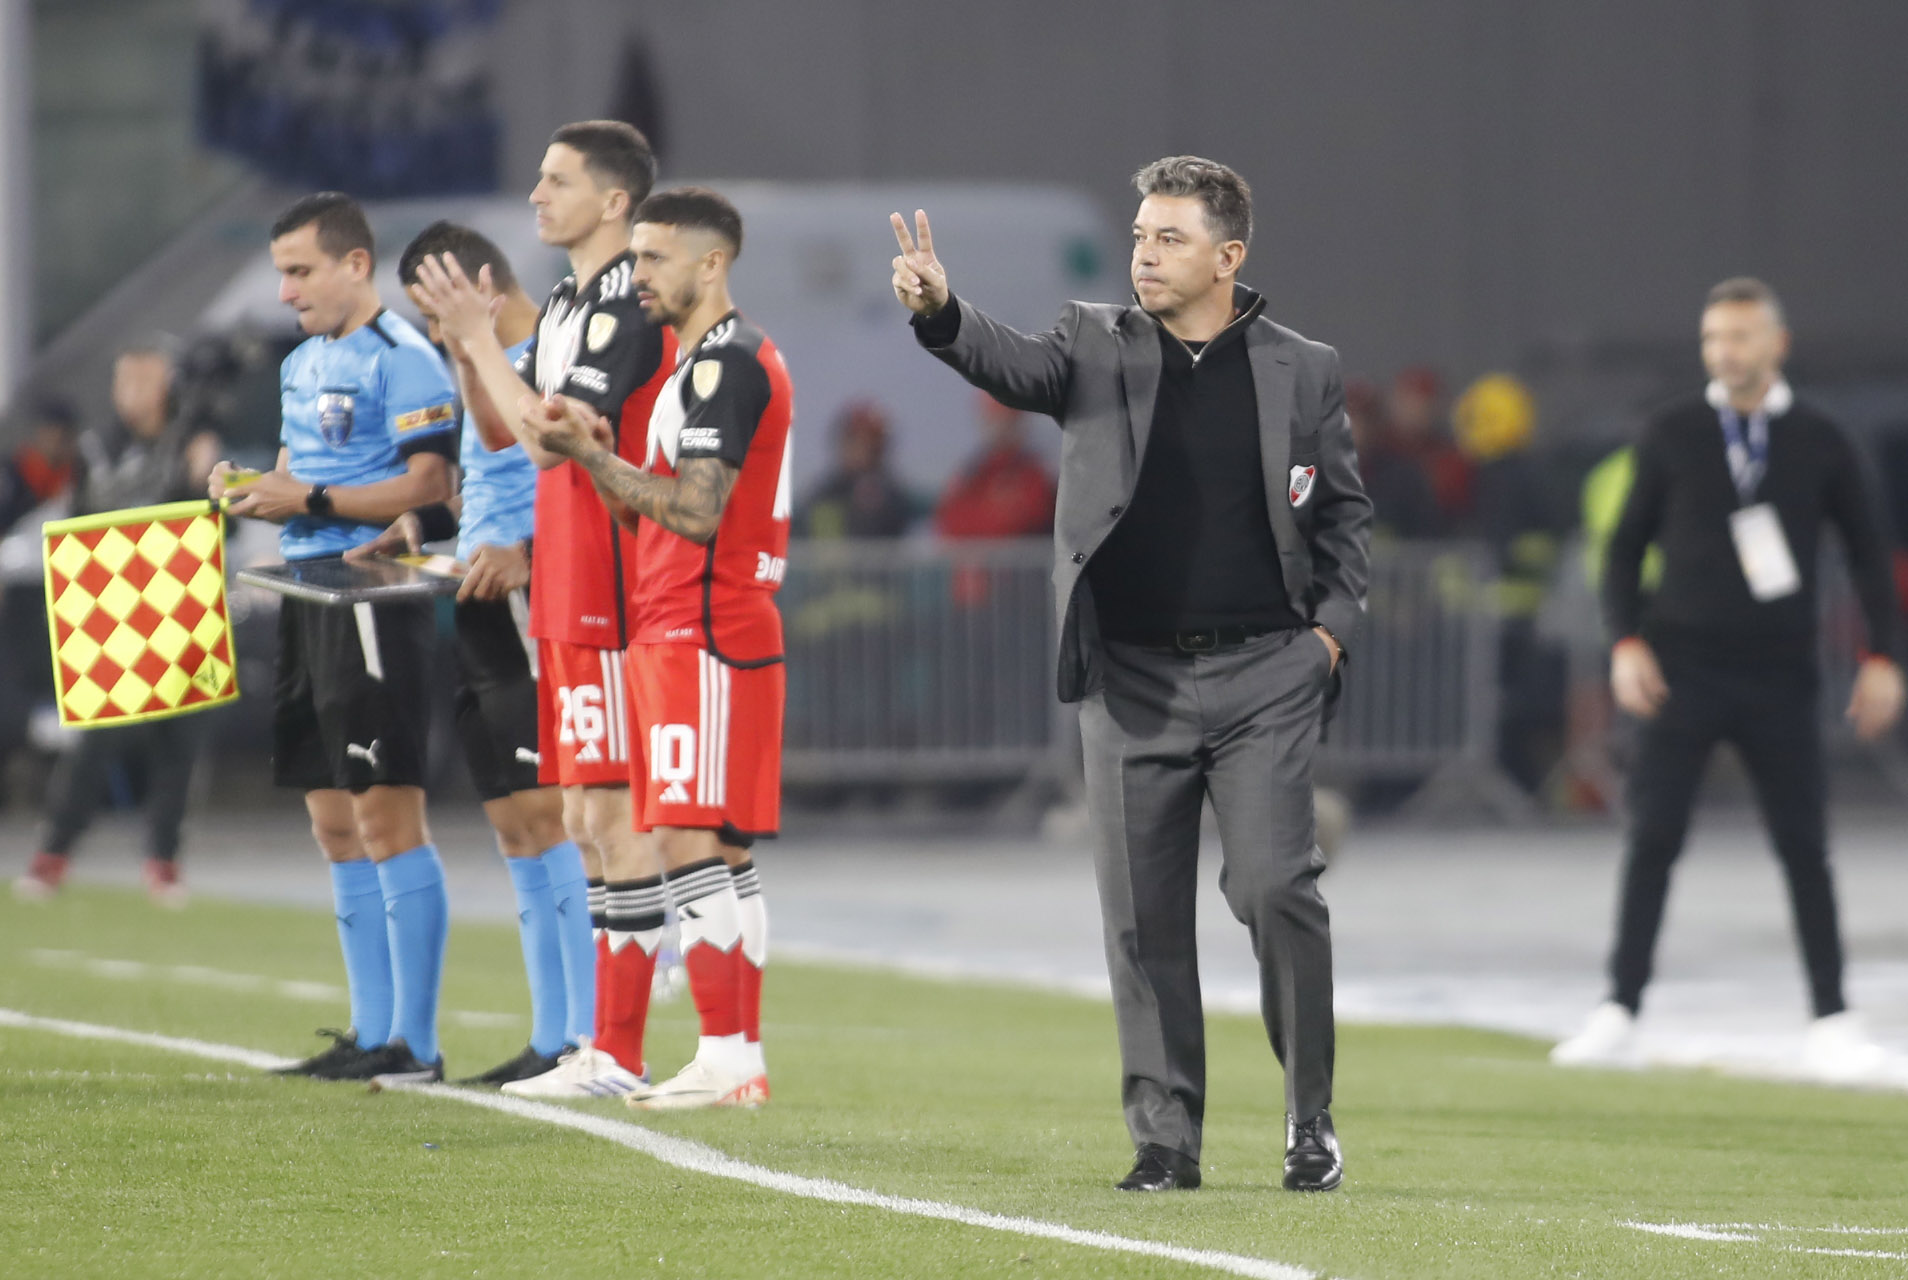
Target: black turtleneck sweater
x=1194, y=549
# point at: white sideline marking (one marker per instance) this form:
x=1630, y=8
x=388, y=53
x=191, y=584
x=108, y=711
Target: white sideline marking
x=1733, y=1232
x=1836, y=1231
x=697, y=1158
x=201, y=976
x=145, y=1039
x=1690, y=1231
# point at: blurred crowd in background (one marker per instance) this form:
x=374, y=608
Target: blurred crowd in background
x=1466, y=467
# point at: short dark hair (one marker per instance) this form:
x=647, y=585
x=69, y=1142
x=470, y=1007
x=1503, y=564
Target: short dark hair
x=1226, y=196
x=1745, y=289
x=617, y=155
x=340, y=221
x=473, y=251
x=696, y=207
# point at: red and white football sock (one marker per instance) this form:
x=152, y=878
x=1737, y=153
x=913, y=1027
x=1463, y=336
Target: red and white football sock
x=753, y=957
x=709, y=918
x=631, y=940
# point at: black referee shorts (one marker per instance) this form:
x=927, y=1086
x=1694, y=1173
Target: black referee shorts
x=496, y=699
x=351, y=707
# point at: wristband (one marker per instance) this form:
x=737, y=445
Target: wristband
x=318, y=501
x=435, y=523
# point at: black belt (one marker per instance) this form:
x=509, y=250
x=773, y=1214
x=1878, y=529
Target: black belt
x=1206, y=640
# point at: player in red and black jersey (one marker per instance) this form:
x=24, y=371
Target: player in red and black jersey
x=594, y=348
x=711, y=504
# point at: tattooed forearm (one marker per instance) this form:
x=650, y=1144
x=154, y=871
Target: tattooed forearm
x=689, y=503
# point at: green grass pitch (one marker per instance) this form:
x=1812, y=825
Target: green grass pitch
x=1467, y=1156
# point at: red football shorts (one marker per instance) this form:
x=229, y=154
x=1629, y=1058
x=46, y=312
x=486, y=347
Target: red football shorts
x=582, y=716
x=711, y=738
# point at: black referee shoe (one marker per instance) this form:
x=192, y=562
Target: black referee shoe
x=394, y=1063
x=336, y=1063
x=524, y=1066
x=1157, y=1168
x=1312, y=1159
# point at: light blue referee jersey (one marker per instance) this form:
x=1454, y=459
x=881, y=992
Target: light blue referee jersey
x=353, y=409
x=500, y=489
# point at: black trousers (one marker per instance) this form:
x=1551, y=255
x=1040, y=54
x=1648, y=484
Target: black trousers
x=78, y=789
x=1770, y=715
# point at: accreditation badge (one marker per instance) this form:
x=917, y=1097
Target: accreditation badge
x=1768, y=566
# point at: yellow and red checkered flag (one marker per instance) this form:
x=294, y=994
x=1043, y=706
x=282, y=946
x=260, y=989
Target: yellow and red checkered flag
x=135, y=604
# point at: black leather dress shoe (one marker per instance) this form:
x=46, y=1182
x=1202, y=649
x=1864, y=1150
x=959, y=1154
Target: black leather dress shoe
x=1312, y=1159
x=1157, y=1168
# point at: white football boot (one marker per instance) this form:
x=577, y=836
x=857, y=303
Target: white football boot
x=1838, y=1050
x=1608, y=1039
x=582, y=1072
x=720, y=1075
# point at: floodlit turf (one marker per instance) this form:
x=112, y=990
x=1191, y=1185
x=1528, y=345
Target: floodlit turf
x=1467, y=1155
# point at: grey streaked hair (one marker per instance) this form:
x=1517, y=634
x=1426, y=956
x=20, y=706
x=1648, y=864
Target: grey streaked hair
x=1746, y=289
x=1225, y=195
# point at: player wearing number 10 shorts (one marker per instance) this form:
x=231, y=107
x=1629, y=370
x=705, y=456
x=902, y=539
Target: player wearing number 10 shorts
x=593, y=348
x=711, y=505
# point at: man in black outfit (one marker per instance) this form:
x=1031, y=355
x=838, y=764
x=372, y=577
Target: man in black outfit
x=1734, y=486
x=1210, y=560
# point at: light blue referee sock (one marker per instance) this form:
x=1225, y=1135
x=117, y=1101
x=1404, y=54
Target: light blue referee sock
x=542, y=956
x=569, y=888
x=367, y=948
x=417, y=916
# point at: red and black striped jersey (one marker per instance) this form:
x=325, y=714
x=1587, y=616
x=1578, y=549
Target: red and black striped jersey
x=594, y=344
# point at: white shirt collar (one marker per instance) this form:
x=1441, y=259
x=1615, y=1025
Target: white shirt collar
x=1778, y=401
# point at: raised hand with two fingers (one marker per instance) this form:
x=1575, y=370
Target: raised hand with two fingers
x=920, y=282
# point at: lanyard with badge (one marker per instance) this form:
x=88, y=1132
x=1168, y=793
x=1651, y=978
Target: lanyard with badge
x=1768, y=566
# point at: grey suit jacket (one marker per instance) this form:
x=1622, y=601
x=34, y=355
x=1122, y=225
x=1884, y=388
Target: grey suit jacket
x=1097, y=373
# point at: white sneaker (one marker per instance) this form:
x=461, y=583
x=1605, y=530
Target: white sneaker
x=582, y=1072
x=1608, y=1039
x=701, y=1084
x=1838, y=1049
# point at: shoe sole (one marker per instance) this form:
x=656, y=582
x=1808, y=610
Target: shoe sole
x=398, y=1079
x=584, y=1089
x=746, y=1097
x=1337, y=1177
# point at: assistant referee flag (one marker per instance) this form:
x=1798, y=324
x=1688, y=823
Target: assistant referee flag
x=135, y=606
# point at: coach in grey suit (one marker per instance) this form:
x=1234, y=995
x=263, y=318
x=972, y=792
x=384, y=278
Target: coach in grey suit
x=1210, y=561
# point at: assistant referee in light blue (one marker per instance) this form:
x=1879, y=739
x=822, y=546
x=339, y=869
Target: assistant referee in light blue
x=369, y=432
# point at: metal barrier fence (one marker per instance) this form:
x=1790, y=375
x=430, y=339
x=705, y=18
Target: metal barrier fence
x=1421, y=689
x=915, y=661
x=934, y=661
